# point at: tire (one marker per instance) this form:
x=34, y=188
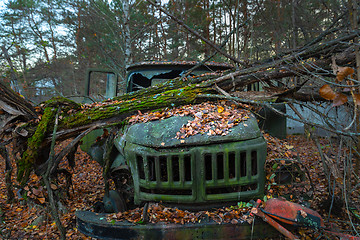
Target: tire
x=114, y=202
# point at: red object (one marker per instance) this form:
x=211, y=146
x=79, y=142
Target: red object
x=291, y=213
x=257, y=211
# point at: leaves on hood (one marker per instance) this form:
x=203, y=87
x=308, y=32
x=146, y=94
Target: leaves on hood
x=209, y=118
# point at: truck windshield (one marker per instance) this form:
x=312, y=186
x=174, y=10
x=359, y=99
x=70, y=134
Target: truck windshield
x=146, y=78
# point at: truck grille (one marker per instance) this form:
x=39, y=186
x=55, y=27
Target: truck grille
x=223, y=172
x=174, y=168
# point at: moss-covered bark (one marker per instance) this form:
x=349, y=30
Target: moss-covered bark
x=118, y=110
x=170, y=94
x=123, y=108
x=35, y=151
x=24, y=164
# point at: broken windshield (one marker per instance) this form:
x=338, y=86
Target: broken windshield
x=146, y=78
x=146, y=74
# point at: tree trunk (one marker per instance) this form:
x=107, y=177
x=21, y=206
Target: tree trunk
x=354, y=24
x=14, y=80
x=126, y=19
x=75, y=119
x=8, y=173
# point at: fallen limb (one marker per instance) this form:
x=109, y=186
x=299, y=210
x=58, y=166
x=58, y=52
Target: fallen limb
x=46, y=178
x=76, y=120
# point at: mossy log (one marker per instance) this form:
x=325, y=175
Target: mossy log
x=123, y=108
x=35, y=143
x=75, y=118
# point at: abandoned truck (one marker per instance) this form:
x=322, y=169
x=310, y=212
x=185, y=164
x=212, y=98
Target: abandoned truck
x=151, y=165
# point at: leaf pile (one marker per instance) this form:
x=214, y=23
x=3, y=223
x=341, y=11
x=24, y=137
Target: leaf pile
x=159, y=213
x=28, y=217
x=209, y=118
x=18, y=218
x=278, y=148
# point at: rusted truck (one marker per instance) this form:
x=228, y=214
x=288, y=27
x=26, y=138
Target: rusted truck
x=150, y=165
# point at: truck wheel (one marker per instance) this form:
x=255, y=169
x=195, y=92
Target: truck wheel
x=99, y=207
x=124, y=185
x=114, y=202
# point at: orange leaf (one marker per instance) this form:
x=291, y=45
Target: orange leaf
x=41, y=200
x=220, y=109
x=343, y=72
x=357, y=98
x=340, y=99
x=327, y=93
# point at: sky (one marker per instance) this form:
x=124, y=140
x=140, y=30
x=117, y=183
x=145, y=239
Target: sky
x=2, y=4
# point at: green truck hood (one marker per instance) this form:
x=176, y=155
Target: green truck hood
x=161, y=133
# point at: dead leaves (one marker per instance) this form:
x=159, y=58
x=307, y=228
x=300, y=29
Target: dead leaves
x=337, y=97
x=278, y=148
x=209, y=118
x=357, y=98
x=220, y=109
x=159, y=213
x=212, y=120
x=20, y=218
x=339, y=100
x=327, y=92
x=343, y=72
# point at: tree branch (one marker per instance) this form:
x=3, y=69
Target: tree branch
x=195, y=33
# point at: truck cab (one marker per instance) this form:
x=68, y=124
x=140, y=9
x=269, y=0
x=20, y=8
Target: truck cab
x=149, y=164
x=102, y=84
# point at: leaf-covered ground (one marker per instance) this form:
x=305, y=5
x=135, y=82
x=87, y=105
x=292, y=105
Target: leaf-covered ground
x=32, y=221
x=26, y=217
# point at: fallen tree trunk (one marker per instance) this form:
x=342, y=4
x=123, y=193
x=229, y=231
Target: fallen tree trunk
x=74, y=118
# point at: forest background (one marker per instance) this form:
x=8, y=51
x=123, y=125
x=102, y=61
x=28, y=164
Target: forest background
x=48, y=45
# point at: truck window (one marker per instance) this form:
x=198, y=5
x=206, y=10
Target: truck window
x=101, y=85
x=146, y=78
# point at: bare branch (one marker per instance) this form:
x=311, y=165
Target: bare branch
x=192, y=31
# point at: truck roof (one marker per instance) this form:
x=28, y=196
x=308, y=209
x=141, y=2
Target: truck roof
x=179, y=64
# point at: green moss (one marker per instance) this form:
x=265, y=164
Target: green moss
x=34, y=145
x=156, y=98
x=168, y=98
x=66, y=104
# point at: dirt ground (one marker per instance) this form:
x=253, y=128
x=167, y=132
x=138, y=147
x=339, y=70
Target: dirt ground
x=26, y=216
